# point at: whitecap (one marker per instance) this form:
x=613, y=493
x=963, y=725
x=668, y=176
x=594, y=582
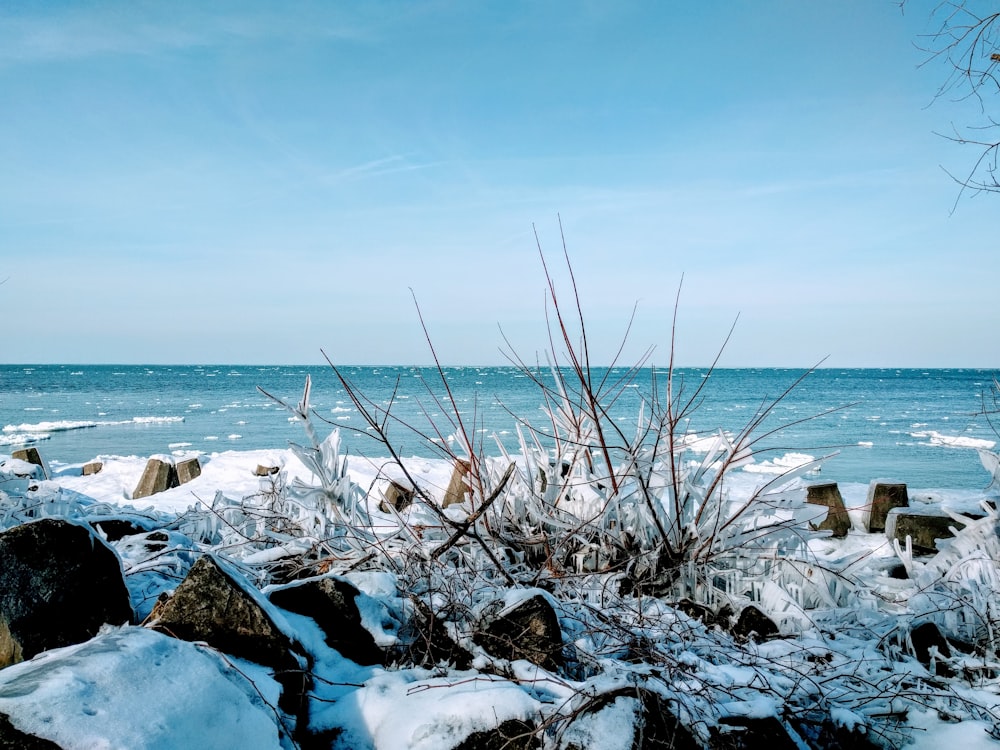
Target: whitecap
x=780, y=464
x=23, y=439
x=60, y=426
x=952, y=441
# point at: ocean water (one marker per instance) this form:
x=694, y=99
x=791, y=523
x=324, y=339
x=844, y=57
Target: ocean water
x=921, y=427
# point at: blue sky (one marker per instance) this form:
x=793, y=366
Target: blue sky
x=253, y=182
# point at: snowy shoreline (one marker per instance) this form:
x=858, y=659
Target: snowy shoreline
x=846, y=627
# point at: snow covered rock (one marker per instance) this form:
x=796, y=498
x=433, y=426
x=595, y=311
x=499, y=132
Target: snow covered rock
x=134, y=688
x=527, y=629
x=330, y=602
x=12, y=738
x=632, y=718
x=397, y=496
x=33, y=457
x=58, y=584
x=218, y=607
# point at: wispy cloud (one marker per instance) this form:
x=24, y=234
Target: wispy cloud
x=74, y=33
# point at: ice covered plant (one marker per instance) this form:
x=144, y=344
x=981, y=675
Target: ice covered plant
x=331, y=507
x=594, y=496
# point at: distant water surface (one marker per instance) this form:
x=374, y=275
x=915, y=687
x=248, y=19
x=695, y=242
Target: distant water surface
x=917, y=426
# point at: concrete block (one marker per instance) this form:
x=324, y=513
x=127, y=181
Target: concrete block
x=158, y=476
x=829, y=495
x=882, y=497
x=188, y=469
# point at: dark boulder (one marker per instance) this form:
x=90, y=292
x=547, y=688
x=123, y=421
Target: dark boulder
x=528, y=630
x=512, y=734
x=818, y=730
x=428, y=642
x=331, y=603
x=752, y=624
x=12, y=738
x=751, y=733
x=655, y=725
x=59, y=583
x=212, y=605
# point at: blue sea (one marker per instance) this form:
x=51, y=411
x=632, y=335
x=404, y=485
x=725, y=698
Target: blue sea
x=921, y=427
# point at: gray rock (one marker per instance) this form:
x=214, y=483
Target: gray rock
x=59, y=583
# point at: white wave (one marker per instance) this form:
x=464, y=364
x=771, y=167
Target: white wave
x=211, y=437
x=33, y=408
x=865, y=443
x=178, y=445
x=23, y=439
x=60, y=426
x=780, y=464
x=699, y=443
x=235, y=437
x=952, y=441
x=340, y=409
x=66, y=425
